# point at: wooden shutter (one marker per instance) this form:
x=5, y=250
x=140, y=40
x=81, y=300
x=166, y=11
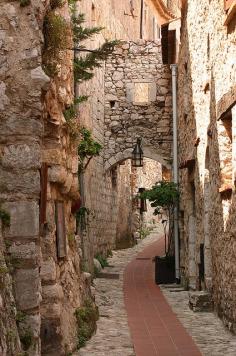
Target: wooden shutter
x=164, y=43
x=228, y=3
x=168, y=42
x=43, y=193
x=171, y=46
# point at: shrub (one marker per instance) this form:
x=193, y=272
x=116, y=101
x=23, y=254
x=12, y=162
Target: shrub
x=86, y=317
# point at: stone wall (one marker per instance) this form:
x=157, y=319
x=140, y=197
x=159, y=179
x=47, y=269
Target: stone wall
x=104, y=190
x=137, y=102
x=48, y=287
x=9, y=336
x=207, y=73
x=21, y=130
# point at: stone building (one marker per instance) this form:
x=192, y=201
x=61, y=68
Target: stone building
x=206, y=101
x=42, y=271
x=105, y=190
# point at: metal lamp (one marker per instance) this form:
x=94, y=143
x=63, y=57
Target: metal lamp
x=137, y=154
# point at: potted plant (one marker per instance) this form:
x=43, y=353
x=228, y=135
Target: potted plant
x=164, y=196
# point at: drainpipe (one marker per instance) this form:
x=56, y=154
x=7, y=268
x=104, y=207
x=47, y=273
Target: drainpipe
x=141, y=20
x=175, y=168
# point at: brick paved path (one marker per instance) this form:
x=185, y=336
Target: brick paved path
x=113, y=336
x=154, y=327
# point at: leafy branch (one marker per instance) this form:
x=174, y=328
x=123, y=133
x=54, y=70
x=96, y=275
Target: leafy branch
x=87, y=148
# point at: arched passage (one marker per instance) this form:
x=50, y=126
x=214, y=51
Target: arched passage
x=149, y=152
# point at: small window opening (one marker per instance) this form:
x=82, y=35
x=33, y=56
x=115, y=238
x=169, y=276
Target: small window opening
x=112, y=103
x=93, y=13
x=114, y=174
x=225, y=151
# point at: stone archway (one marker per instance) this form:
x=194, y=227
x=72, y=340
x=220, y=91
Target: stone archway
x=138, y=103
x=149, y=152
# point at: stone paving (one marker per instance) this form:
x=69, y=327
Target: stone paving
x=206, y=329
x=113, y=336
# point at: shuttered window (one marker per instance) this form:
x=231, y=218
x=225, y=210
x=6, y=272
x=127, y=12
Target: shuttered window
x=168, y=42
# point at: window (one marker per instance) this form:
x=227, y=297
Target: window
x=141, y=92
x=145, y=13
x=225, y=151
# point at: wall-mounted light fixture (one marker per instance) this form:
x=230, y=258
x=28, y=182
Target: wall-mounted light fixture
x=137, y=155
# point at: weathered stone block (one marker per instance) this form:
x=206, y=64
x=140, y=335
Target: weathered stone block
x=48, y=270
x=26, y=183
x=27, y=288
x=24, y=156
x=53, y=292
x=24, y=219
x=200, y=301
x=24, y=251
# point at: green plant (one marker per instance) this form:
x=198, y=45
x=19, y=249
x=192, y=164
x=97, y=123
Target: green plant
x=84, y=65
x=20, y=317
x=81, y=217
x=71, y=240
x=145, y=231
x=27, y=339
x=86, y=317
x=87, y=147
x=56, y=39
x=5, y=217
x=81, y=33
x=109, y=253
x=24, y=3
x=164, y=196
x=70, y=112
x=57, y=3
x=102, y=260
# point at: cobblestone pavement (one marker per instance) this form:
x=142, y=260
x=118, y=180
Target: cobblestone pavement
x=206, y=329
x=113, y=336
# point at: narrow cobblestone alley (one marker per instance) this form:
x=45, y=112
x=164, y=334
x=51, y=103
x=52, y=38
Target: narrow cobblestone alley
x=159, y=320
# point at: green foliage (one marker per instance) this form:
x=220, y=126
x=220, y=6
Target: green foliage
x=163, y=195
x=70, y=113
x=81, y=217
x=81, y=33
x=20, y=317
x=86, y=317
x=88, y=147
x=5, y=217
x=109, y=253
x=57, y=3
x=24, y=3
x=3, y=269
x=84, y=65
x=27, y=339
x=102, y=260
x=71, y=240
x=145, y=231
x=56, y=39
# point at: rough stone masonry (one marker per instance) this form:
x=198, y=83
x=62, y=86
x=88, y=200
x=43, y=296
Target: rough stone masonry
x=138, y=102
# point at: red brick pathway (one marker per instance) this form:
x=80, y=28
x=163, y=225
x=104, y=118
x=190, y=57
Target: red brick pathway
x=154, y=327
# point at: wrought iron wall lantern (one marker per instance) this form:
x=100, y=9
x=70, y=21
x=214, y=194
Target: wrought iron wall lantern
x=137, y=154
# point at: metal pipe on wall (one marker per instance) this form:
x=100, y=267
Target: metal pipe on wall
x=175, y=168
x=141, y=20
